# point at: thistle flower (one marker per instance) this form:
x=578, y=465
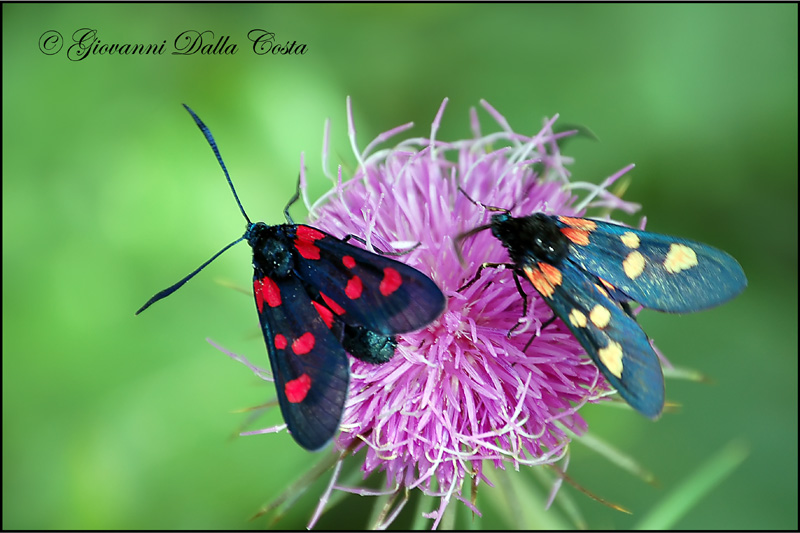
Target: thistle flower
x=462, y=394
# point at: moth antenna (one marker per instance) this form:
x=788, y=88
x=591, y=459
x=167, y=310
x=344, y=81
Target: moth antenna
x=169, y=290
x=213, y=144
x=210, y=138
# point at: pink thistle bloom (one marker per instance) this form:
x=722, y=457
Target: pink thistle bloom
x=461, y=394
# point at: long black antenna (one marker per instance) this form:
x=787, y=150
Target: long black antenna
x=210, y=138
x=460, y=238
x=169, y=290
x=213, y=143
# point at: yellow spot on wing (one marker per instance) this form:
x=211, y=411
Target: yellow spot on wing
x=611, y=357
x=630, y=239
x=600, y=316
x=680, y=257
x=577, y=318
x=633, y=265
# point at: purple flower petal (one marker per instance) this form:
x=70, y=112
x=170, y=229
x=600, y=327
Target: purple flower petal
x=461, y=392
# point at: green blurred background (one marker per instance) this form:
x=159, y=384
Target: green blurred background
x=110, y=193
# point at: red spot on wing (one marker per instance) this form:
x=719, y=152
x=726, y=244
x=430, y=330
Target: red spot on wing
x=307, y=233
x=348, y=261
x=304, y=344
x=280, y=341
x=304, y=241
x=259, y=296
x=391, y=281
x=306, y=249
x=266, y=291
x=324, y=313
x=297, y=389
x=336, y=308
x=354, y=288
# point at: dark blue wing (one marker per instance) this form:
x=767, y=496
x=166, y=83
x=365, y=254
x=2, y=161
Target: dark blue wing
x=611, y=337
x=358, y=341
x=308, y=362
x=659, y=271
x=363, y=288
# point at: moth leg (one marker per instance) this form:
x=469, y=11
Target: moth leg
x=524, y=303
x=292, y=201
x=541, y=328
x=480, y=271
x=378, y=250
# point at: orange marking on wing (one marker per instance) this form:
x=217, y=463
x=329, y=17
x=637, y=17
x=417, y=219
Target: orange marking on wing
x=579, y=223
x=578, y=236
x=539, y=281
x=607, y=284
x=602, y=290
x=551, y=274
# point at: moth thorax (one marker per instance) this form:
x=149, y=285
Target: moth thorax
x=274, y=258
x=535, y=237
x=271, y=255
x=547, y=242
